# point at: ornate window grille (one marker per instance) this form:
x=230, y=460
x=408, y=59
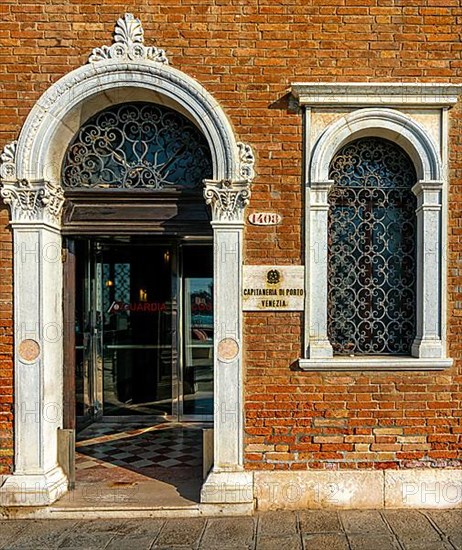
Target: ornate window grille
x=372, y=249
x=137, y=145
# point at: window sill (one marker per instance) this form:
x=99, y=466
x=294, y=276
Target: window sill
x=384, y=363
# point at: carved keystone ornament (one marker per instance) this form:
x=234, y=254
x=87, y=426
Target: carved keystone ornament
x=128, y=43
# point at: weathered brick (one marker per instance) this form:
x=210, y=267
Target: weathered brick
x=247, y=54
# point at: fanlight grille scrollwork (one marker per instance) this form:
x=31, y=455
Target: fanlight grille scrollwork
x=137, y=145
x=372, y=249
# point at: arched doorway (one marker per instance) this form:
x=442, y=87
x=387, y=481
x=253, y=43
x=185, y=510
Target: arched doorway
x=139, y=228
x=32, y=184
x=138, y=281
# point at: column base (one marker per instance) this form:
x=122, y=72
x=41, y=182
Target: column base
x=427, y=348
x=228, y=488
x=320, y=349
x=33, y=489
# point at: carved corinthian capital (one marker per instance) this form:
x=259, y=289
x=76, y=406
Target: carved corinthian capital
x=39, y=201
x=228, y=199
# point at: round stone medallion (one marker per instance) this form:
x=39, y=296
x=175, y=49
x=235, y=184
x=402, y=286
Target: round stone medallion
x=29, y=350
x=228, y=349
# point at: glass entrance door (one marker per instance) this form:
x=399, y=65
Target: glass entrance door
x=138, y=323
x=146, y=329
x=197, y=321
x=88, y=345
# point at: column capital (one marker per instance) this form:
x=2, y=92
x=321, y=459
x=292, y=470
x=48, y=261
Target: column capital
x=318, y=195
x=30, y=201
x=33, y=201
x=228, y=199
x=427, y=185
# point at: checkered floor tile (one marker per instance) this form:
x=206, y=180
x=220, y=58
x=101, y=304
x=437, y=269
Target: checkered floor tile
x=139, y=447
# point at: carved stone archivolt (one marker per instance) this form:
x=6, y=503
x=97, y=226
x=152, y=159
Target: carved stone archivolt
x=128, y=44
x=26, y=165
x=127, y=62
x=227, y=199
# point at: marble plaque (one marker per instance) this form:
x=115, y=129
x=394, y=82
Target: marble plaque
x=273, y=288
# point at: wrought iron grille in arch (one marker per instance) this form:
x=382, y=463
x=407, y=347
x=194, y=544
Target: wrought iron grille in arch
x=372, y=249
x=137, y=145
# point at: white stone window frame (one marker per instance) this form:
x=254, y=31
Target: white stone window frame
x=415, y=117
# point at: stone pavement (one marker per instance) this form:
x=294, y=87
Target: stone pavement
x=307, y=530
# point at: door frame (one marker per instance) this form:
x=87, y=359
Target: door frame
x=31, y=185
x=70, y=282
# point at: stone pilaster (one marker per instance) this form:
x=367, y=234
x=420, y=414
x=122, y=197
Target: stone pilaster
x=318, y=344
x=428, y=343
x=227, y=482
x=35, y=208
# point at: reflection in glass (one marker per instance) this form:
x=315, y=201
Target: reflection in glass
x=127, y=324
x=137, y=331
x=88, y=362
x=198, y=331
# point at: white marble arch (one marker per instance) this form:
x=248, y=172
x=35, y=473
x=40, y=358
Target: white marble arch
x=66, y=105
x=30, y=183
x=428, y=349
x=390, y=124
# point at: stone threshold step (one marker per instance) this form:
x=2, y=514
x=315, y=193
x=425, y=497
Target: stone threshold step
x=126, y=512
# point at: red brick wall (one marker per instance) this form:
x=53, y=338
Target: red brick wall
x=6, y=347
x=247, y=53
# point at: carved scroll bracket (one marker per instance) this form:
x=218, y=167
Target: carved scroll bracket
x=8, y=162
x=246, y=161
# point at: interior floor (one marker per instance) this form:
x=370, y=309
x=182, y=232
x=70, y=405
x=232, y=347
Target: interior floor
x=137, y=465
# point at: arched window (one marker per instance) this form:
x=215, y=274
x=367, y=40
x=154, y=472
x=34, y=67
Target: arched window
x=371, y=250
x=138, y=145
